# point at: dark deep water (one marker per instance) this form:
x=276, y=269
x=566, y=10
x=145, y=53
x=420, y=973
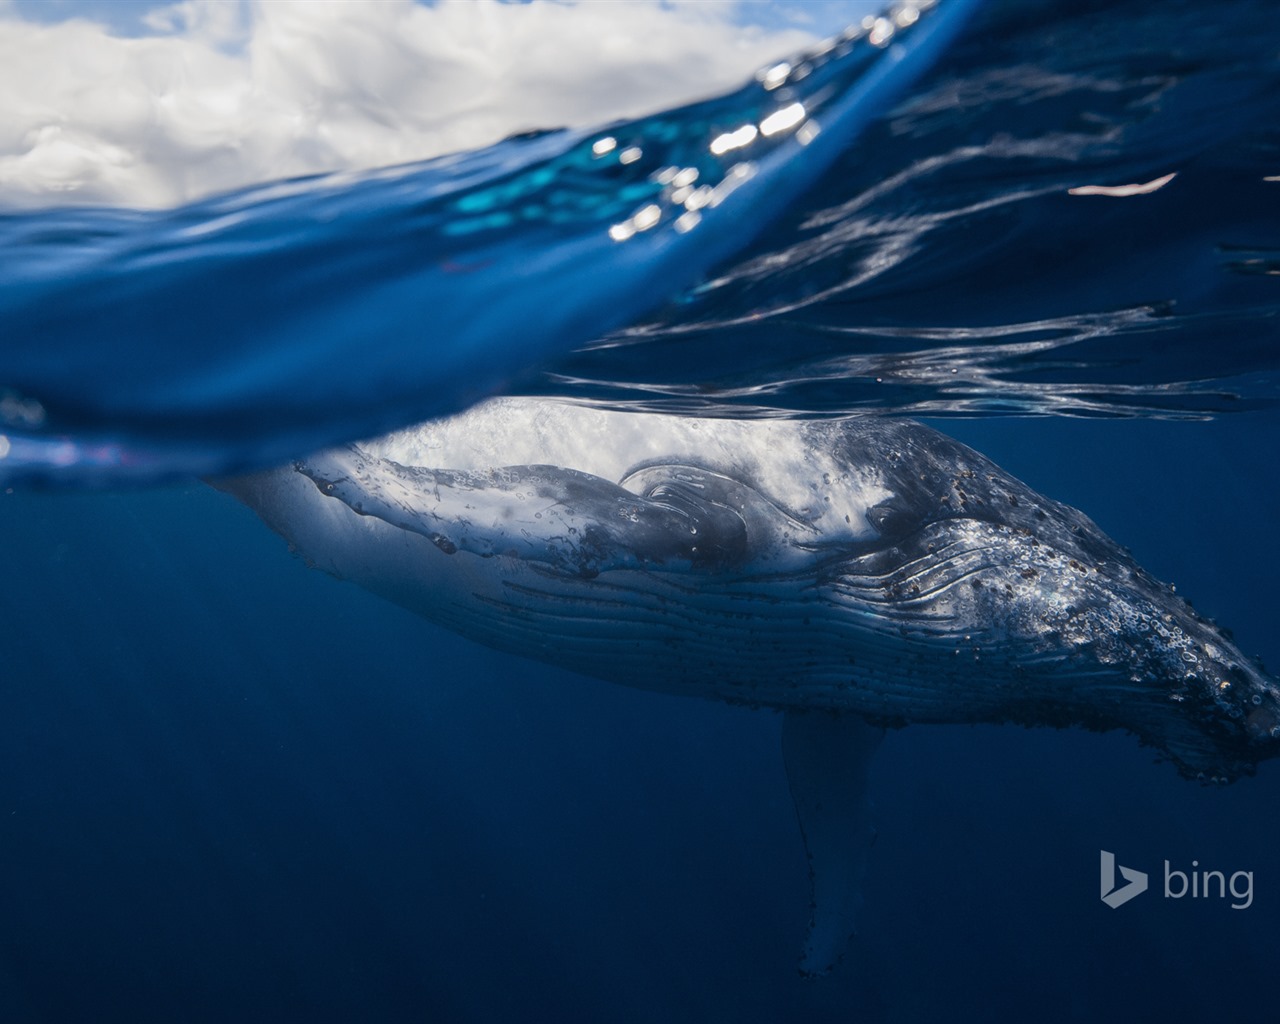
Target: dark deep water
x=234, y=789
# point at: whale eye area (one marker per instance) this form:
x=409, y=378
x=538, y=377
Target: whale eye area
x=891, y=521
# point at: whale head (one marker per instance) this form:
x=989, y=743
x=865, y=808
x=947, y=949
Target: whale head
x=1054, y=622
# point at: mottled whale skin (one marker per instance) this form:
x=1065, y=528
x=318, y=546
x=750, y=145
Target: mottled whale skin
x=854, y=573
x=861, y=565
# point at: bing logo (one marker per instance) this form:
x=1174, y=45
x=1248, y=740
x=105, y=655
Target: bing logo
x=1195, y=884
x=1136, y=882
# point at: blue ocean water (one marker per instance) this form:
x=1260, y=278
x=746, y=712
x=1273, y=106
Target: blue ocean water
x=234, y=789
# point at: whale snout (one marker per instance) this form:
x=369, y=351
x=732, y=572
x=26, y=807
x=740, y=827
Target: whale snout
x=1201, y=700
x=1262, y=724
x=1238, y=711
x=1061, y=627
x=1253, y=698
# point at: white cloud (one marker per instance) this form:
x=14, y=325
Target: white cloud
x=234, y=93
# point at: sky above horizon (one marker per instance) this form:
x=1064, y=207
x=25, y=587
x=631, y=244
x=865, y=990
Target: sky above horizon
x=125, y=102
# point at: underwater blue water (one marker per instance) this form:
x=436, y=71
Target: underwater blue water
x=232, y=788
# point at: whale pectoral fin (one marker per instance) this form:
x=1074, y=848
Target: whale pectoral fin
x=828, y=757
x=569, y=521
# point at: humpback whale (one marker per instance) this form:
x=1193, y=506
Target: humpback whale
x=856, y=574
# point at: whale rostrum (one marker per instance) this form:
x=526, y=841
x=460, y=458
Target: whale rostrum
x=856, y=574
